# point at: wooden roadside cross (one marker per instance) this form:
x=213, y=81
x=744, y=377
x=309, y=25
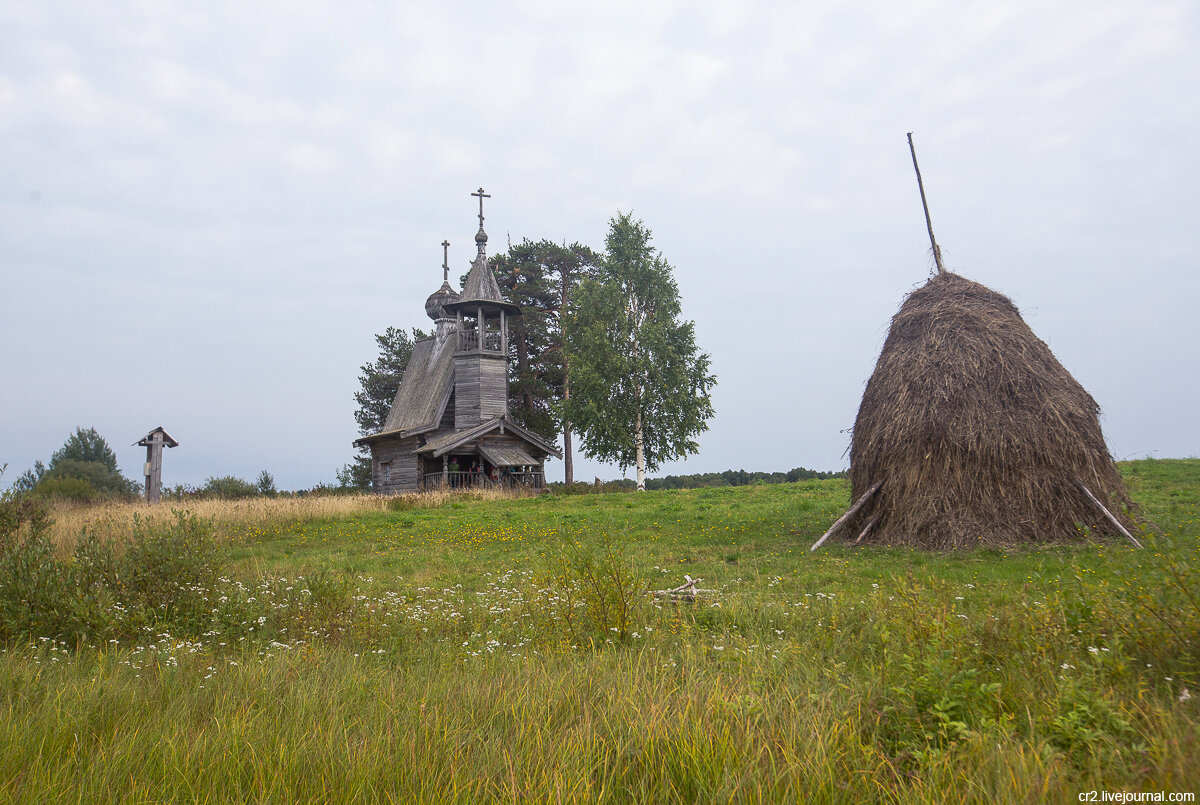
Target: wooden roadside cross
x=154, y=441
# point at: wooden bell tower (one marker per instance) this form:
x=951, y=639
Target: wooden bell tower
x=481, y=353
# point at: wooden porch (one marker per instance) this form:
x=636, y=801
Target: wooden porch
x=479, y=480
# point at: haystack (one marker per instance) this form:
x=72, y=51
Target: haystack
x=971, y=433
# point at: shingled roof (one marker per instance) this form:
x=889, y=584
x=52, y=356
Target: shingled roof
x=445, y=442
x=481, y=287
x=424, y=390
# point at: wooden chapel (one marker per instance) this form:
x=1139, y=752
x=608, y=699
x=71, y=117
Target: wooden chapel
x=449, y=425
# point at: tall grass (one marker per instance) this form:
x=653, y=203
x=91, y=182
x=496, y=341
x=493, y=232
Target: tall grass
x=325, y=726
x=509, y=650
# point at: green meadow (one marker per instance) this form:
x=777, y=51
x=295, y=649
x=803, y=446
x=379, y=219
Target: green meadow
x=471, y=650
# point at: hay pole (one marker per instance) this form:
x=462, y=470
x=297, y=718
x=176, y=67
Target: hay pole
x=1107, y=513
x=867, y=530
x=937, y=252
x=849, y=513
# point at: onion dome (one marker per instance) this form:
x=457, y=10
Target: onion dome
x=435, y=305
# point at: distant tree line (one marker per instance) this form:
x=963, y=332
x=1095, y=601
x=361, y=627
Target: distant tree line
x=230, y=487
x=739, y=478
x=704, y=480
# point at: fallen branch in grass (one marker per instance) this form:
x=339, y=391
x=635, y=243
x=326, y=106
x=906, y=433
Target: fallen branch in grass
x=686, y=591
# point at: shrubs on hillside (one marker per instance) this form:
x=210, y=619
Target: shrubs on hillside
x=227, y=487
x=101, y=590
x=163, y=582
x=230, y=487
x=71, y=490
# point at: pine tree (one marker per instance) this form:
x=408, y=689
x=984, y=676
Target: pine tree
x=378, y=383
x=85, y=456
x=639, y=384
x=88, y=447
x=540, y=277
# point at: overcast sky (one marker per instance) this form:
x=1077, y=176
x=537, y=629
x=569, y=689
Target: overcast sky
x=207, y=210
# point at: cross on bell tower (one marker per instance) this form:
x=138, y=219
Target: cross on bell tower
x=481, y=237
x=481, y=195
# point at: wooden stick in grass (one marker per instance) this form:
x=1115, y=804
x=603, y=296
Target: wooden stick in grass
x=849, y=513
x=689, y=583
x=687, y=590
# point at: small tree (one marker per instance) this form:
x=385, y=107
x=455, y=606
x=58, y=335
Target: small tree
x=266, y=484
x=88, y=447
x=29, y=479
x=639, y=384
x=84, y=457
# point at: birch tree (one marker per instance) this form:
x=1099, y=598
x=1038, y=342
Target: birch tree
x=639, y=384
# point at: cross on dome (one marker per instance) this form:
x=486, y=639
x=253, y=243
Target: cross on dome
x=481, y=195
x=481, y=236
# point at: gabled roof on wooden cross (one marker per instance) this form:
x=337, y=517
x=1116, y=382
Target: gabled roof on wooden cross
x=167, y=439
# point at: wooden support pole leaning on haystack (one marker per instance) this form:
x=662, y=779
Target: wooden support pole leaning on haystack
x=849, y=513
x=937, y=253
x=867, y=530
x=1095, y=502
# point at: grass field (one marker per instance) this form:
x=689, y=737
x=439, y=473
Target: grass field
x=459, y=650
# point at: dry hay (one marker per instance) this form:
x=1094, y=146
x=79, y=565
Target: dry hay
x=231, y=518
x=976, y=430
